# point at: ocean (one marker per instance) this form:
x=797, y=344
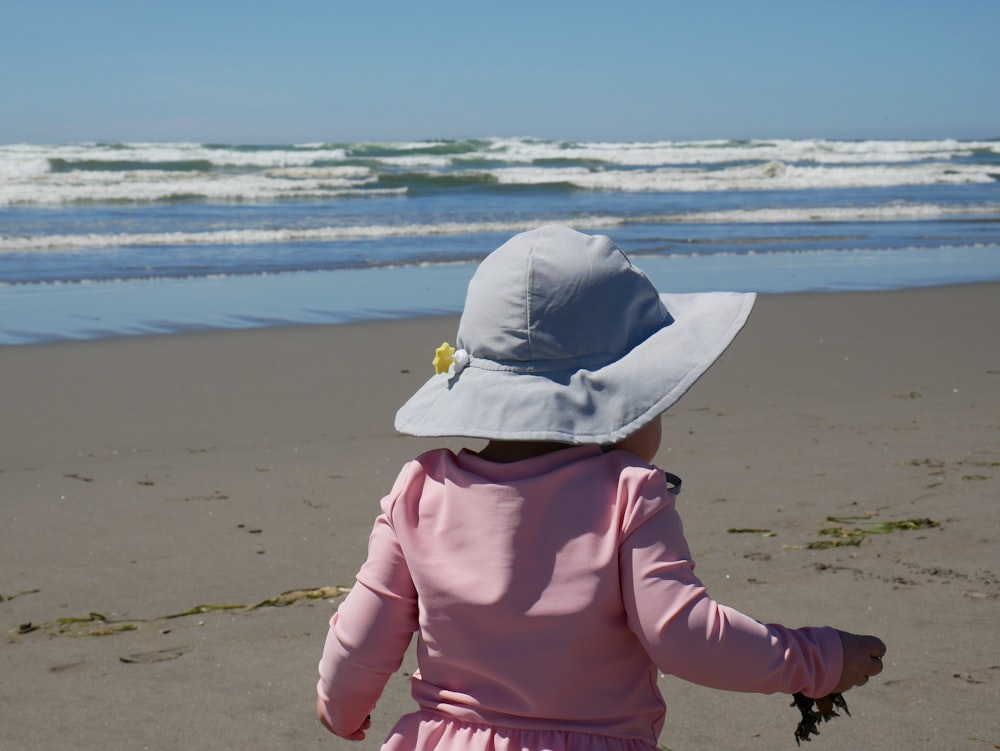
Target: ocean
x=105, y=240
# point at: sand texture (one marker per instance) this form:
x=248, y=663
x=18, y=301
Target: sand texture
x=178, y=515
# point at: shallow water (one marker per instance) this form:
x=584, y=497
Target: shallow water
x=104, y=240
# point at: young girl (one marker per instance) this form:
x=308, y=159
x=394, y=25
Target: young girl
x=547, y=576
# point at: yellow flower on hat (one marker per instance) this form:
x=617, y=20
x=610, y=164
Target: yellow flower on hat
x=444, y=356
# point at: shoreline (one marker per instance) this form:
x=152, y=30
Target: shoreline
x=145, y=477
x=39, y=313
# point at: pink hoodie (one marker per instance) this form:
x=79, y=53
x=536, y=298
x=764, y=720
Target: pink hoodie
x=546, y=594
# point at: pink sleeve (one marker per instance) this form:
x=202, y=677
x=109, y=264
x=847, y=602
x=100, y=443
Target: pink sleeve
x=368, y=635
x=689, y=635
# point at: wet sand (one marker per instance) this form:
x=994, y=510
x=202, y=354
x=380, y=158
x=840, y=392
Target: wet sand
x=158, y=494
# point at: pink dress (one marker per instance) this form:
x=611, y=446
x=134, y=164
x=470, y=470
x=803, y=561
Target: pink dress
x=545, y=594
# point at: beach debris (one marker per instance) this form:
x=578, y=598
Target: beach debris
x=65, y=667
x=940, y=469
x=975, y=595
x=199, y=609
x=88, y=619
x=99, y=624
x=751, y=531
x=158, y=655
x=215, y=495
x=815, y=711
x=864, y=527
x=295, y=595
x=23, y=592
x=83, y=626
x=977, y=676
x=76, y=476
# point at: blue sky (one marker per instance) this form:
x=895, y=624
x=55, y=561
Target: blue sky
x=326, y=70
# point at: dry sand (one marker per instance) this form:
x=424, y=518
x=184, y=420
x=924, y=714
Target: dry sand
x=141, y=478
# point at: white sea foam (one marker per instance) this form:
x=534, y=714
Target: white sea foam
x=22, y=165
x=344, y=172
x=231, y=156
x=419, y=160
x=773, y=175
x=286, y=235
x=303, y=182
x=154, y=185
x=89, y=241
x=721, y=152
x=144, y=172
x=891, y=212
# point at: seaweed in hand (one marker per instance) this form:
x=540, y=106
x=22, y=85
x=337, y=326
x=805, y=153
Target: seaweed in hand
x=815, y=711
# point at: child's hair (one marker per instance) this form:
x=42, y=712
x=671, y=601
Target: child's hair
x=563, y=339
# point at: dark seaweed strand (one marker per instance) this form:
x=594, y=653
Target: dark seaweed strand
x=812, y=715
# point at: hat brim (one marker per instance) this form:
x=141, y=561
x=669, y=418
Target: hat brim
x=598, y=406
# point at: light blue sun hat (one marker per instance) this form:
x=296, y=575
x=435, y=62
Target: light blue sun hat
x=563, y=339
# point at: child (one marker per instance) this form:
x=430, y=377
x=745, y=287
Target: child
x=547, y=576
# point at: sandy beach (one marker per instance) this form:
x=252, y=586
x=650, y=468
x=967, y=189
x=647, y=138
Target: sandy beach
x=179, y=513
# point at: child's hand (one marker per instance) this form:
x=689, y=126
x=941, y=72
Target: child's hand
x=862, y=659
x=357, y=735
